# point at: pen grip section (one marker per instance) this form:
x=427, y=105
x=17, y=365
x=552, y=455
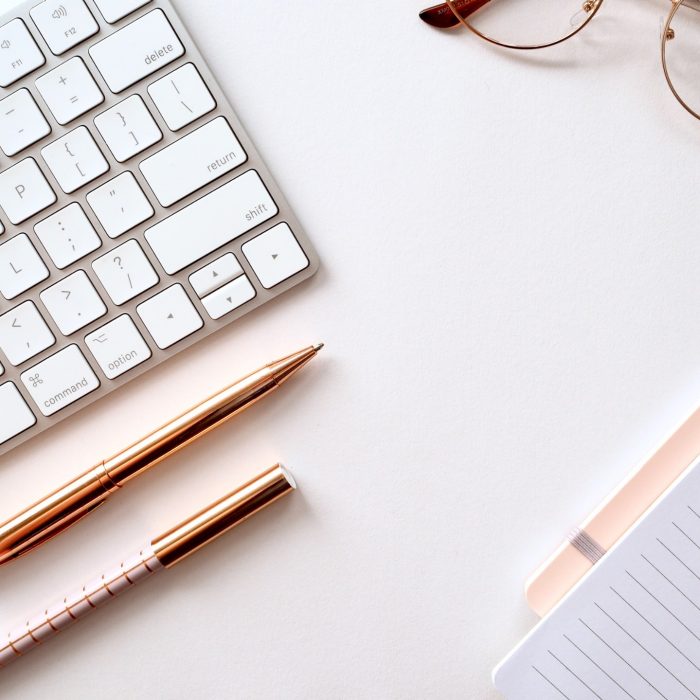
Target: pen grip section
x=94, y=594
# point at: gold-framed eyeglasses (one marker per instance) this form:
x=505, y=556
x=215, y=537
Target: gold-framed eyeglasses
x=538, y=24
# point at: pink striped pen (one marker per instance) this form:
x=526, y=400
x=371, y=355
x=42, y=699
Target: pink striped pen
x=161, y=553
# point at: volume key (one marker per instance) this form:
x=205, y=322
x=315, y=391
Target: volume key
x=20, y=54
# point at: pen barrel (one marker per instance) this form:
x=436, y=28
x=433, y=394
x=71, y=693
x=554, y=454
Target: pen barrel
x=190, y=426
x=76, y=605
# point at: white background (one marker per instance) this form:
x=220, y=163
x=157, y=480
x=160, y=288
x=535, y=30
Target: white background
x=509, y=301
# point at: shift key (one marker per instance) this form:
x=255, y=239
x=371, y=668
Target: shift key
x=136, y=51
x=210, y=222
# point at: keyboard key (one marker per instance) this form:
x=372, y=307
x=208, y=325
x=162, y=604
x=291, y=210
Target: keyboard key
x=21, y=122
x=67, y=235
x=120, y=204
x=73, y=303
x=218, y=218
x=19, y=54
x=69, y=90
x=128, y=128
x=74, y=159
x=24, y=191
x=125, y=272
x=229, y=297
x=60, y=380
x=215, y=274
x=64, y=23
x=275, y=255
x=24, y=333
x=114, y=10
x=21, y=267
x=181, y=97
x=136, y=51
x=194, y=161
x=118, y=347
x=170, y=316
x=16, y=415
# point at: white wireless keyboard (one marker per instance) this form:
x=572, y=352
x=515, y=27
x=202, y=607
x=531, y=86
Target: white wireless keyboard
x=136, y=216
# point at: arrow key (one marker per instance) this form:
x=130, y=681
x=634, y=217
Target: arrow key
x=215, y=274
x=275, y=255
x=170, y=316
x=229, y=297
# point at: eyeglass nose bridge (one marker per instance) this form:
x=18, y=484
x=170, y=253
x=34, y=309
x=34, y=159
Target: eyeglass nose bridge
x=585, y=14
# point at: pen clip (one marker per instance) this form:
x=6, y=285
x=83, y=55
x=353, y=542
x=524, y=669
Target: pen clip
x=52, y=530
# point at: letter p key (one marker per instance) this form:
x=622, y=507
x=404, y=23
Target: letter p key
x=24, y=191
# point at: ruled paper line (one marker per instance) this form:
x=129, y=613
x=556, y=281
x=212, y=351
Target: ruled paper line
x=559, y=690
x=599, y=667
x=671, y=552
x=578, y=678
x=675, y=617
x=622, y=658
x=656, y=568
x=661, y=634
x=681, y=530
x=643, y=648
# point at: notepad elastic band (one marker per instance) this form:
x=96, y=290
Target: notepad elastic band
x=585, y=544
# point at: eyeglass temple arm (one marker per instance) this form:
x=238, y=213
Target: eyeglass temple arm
x=443, y=17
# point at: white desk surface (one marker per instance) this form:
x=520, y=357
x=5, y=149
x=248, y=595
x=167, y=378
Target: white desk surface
x=509, y=301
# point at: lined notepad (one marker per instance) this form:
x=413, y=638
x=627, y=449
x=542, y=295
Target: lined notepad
x=631, y=628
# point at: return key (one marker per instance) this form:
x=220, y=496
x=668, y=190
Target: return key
x=194, y=161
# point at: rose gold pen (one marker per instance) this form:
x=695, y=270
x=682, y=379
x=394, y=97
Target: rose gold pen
x=68, y=504
x=162, y=552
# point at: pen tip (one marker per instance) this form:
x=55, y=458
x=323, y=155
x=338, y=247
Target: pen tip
x=318, y=346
